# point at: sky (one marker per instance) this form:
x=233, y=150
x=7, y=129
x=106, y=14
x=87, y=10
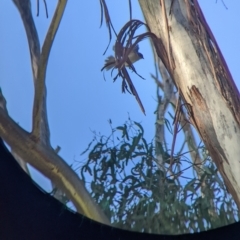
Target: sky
x=79, y=98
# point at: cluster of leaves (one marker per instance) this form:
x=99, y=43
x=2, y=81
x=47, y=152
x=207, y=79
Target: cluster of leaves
x=123, y=177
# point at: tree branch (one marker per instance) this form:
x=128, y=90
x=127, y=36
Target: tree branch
x=51, y=165
x=24, y=8
x=35, y=148
x=40, y=88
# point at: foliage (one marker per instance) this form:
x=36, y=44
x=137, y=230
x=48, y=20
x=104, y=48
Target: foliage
x=137, y=194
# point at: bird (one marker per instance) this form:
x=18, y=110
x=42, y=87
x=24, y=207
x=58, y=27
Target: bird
x=133, y=56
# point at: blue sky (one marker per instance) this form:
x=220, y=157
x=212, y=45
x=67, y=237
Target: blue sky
x=79, y=99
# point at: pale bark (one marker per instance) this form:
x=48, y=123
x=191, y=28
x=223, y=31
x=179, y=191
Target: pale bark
x=201, y=75
x=35, y=148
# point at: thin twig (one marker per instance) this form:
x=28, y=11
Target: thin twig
x=45, y=4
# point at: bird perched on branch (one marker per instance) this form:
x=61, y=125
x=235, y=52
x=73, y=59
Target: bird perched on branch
x=133, y=56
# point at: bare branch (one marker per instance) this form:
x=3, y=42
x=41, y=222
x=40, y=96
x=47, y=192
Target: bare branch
x=51, y=165
x=40, y=87
x=35, y=148
x=24, y=8
x=3, y=105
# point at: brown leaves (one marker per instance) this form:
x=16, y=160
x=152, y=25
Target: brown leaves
x=104, y=10
x=127, y=42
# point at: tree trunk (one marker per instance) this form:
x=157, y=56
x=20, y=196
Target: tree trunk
x=195, y=63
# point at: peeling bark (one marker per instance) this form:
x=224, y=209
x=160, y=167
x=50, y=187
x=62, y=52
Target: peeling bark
x=204, y=82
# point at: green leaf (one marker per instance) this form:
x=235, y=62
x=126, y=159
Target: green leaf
x=89, y=170
x=124, y=131
x=89, y=145
x=120, y=186
x=170, y=115
x=145, y=143
x=168, y=125
x=207, y=170
x=190, y=186
x=140, y=126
